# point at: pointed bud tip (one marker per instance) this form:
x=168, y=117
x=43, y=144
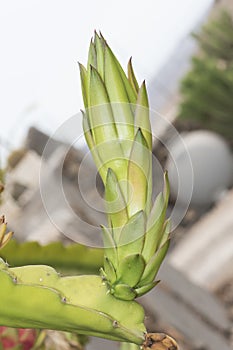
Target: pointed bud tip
x=139, y=133
x=110, y=172
x=101, y=35
x=97, y=32
x=80, y=66
x=93, y=71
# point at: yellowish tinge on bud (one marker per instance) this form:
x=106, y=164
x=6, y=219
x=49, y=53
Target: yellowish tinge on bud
x=138, y=174
x=142, y=115
x=131, y=77
x=101, y=118
x=4, y=237
x=131, y=238
x=156, y=221
x=115, y=202
x=92, y=56
x=100, y=54
x=84, y=85
x=117, y=93
x=110, y=246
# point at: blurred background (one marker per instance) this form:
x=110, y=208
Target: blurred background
x=43, y=41
x=184, y=50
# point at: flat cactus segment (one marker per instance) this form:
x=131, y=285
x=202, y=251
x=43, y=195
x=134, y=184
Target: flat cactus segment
x=37, y=297
x=73, y=256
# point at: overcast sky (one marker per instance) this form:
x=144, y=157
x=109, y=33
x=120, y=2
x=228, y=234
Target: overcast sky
x=42, y=40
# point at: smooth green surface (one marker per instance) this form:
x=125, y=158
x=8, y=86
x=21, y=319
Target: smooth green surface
x=37, y=297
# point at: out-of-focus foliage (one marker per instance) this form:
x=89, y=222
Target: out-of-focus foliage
x=68, y=258
x=2, y=178
x=54, y=340
x=216, y=38
x=15, y=157
x=208, y=88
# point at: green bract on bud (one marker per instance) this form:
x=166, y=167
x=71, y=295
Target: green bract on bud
x=116, y=123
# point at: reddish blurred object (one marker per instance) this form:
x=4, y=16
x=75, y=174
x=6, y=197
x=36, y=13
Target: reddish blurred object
x=17, y=338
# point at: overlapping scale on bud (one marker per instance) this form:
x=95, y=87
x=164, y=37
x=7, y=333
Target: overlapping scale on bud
x=116, y=124
x=4, y=235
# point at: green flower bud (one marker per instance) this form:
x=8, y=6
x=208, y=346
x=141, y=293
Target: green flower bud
x=118, y=131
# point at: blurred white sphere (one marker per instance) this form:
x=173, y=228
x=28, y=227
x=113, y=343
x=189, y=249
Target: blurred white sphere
x=212, y=164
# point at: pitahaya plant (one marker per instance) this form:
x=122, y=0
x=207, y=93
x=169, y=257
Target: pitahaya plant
x=117, y=129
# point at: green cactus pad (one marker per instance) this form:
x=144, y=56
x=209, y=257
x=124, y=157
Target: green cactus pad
x=37, y=297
